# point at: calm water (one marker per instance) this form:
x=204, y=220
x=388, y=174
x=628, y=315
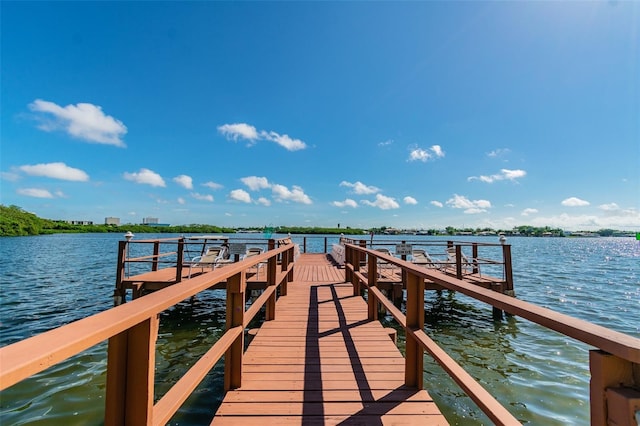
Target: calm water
x=541, y=376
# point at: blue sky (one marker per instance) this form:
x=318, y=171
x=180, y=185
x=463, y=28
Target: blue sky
x=404, y=114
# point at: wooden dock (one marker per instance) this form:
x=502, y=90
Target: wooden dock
x=322, y=362
x=321, y=356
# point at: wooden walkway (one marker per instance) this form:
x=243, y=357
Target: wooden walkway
x=322, y=362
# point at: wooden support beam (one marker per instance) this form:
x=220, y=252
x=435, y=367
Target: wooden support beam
x=236, y=286
x=609, y=371
x=130, y=375
x=180, y=259
x=414, y=362
x=120, y=293
x=372, y=300
x=156, y=253
x=508, y=272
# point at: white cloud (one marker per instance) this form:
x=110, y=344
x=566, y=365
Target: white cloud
x=296, y=194
x=574, y=202
x=527, y=212
x=10, y=176
x=623, y=219
x=212, y=185
x=360, y=188
x=382, y=202
x=145, y=176
x=609, y=207
x=202, y=197
x=419, y=154
x=410, y=200
x=184, y=181
x=256, y=183
x=498, y=152
x=284, y=141
x=505, y=174
x=181, y=200
x=437, y=204
x=386, y=143
x=239, y=131
x=437, y=150
x=474, y=210
x=346, y=203
x=55, y=171
x=83, y=121
x=35, y=192
x=469, y=206
x=240, y=195
x=263, y=201
x=613, y=211
x=250, y=133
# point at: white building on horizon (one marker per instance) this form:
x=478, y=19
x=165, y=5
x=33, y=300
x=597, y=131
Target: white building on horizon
x=112, y=221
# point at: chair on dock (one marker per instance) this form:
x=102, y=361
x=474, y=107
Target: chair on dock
x=383, y=264
x=421, y=257
x=212, y=258
x=252, y=252
x=467, y=265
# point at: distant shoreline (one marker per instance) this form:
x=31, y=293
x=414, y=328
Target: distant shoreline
x=16, y=222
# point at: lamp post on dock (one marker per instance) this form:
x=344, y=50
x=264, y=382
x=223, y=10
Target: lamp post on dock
x=128, y=236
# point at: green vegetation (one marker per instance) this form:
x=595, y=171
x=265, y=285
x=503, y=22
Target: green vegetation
x=16, y=222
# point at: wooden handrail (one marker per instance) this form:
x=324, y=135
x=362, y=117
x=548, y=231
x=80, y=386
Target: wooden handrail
x=178, y=394
x=614, y=342
x=625, y=347
x=33, y=355
x=151, y=256
x=487, y=403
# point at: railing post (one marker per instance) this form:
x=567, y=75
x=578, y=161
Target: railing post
x=130, y=375
x=612, y=393
x=348, y=255
x=180, y=259
x=272, y=265
x=355, y=281
x=304, y=244
x=156, y=252
x=325, y=244
x=458, y=261
x=474, y=257
x=120, y=293
x=372, y=276
x=403, y=273
x=287, y=257
x=236, y=286
x=414, y=361
x=362, y=256
x=508, y=272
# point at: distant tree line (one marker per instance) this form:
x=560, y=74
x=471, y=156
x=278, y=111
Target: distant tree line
x=14, y=221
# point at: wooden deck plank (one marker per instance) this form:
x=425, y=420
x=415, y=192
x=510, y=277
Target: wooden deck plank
x=322, y=362
x=322, y=420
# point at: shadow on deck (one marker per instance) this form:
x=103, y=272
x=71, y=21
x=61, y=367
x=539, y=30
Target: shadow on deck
x=321, y=361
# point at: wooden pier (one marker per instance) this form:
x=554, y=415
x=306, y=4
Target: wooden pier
x=321, y=361
x=320, y=355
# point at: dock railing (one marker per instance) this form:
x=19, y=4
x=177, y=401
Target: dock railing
x=614, y=366
x=139, y=256
x=132, y=331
